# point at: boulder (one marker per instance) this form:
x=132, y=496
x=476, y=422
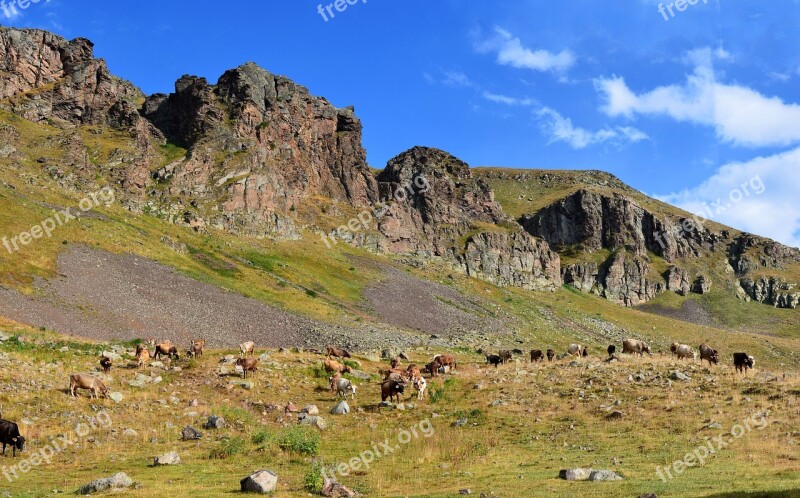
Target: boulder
x=582, y=474
x=358, y=374
x=115, y=396
x=260, y=481
x=116, y=482
x=189, y=433
x=341, y=409
x=214, y=422
x=171, y=458
x=333, y=489
x=315, y=421
x=310, y=410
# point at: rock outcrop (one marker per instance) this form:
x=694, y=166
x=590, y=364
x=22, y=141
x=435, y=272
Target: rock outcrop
x=625, y=279
x=771, y=291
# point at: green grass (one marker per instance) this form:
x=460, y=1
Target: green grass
x=299, y=439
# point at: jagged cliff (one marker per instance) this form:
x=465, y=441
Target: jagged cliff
x=255, y=153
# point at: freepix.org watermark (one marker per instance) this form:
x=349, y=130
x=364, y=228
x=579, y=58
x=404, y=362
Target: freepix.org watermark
x=679, y=5
x=362, y=221
x=697, y=458
x=327, y=11
x=378, y=450
x=46, y=228
x=10, y=8
x=56, y=445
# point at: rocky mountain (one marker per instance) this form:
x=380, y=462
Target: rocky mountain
x=257, y=155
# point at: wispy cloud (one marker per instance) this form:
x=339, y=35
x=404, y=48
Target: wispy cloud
x=511, y=52
x=740, y=115
x=511, y=101
x=560, y=129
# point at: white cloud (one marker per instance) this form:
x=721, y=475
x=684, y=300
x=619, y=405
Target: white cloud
x=512, y=101
x=757, y=196
x=457, y=78
x=511, y=52
x=740, y=115
x=561, y=129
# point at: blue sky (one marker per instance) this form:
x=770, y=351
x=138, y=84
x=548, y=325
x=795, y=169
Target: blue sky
x=688, y=107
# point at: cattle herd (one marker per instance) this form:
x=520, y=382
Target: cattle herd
x=394, y=379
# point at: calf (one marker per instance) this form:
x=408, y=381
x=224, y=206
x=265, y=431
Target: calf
x=420, y=385
x=333, y=380
x=493, y=359
x=433, y=367
x=709, y=354
x=537, y=355
x=196, y=347
x=413, y=371
x=248, y=365
x=743, y=361
x=166, y=349
x=395, y=362
x=611, y=350
x=550, y=354
x=337, y=352
x=88, y=382
x=345, y=387
x=105, y=362
x=634, y=346
x=9, y=435
x=505, y=355
x=392, y=389
x=247, y=347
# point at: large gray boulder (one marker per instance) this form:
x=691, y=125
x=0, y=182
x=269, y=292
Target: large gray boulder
x=583, y=474
x=260, y=481
x=115, y=482
x=171, y=458
x=341, y=409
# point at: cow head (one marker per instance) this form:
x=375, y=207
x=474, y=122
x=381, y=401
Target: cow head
x=646, y=349
x=19, y=442
x=714, y=358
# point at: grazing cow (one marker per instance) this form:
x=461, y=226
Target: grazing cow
x=575, y=350
x=166, y=349
x=550, y=354
x=433, y=367
x=248, y=365
x=709, y=354
x=333, y=366
x=88, y=382
x=493, y=359
x=105, y=362
x=247, y=347
x=682, y=351
x=743, y=361
x=634, y=346
x=611, y=350
x=196, y=348
x=412, y=371
x=395, y=362
x=505, y=355
x=537, y=355
x=446, y=360
x=345, y=387
x=333, y=380
x=9, y=435
x=337, y=352
x=420, y=384
x=142, y=355
x=392, y=389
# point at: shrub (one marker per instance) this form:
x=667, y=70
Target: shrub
x=263, y=438
x=318, y=371
x=228, y=448
x=299, y=439
x=313, y=480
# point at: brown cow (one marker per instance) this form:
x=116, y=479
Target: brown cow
x=708, y=354
x=433, y=367
x=505, y=355
x=333, y=366
x=392, y=389
x=196, y=348
x=333, y=380
x=142, y=355
x=337, y=352
x=88, y=382
x=635, y=346
x=248, y=365
x=166, y=348
x=447, y=360
x=537, y=355
x=413, y=371
x=105, y=362
x=395, y=362
x=550, y=354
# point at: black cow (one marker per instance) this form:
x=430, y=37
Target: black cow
x=611, y=350
x=585, y=352
x=550, y=354
x=9, y=434
x=743, y=361
x=493, y=359
x=537, y=355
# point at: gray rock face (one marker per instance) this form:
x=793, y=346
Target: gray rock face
x=260, y=481
x=771, y=291
x=582, y=276
x=171, y=458
x=114, y=483
x=678, y=281
x=624, y=280
x=702, y=285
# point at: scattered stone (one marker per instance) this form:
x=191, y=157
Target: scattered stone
x=460, y=422
x=189, y=433
x=582, y=474
x=115, y=396
x=260, y=481
x=615, y=415
x=314, y=421
x=291, y=408
x=310, y=410
x=115, y=482
x=215, y=422
x=466, y=491
x=171, y=458
x=341, y=409
x=130, y=433
x=333, y=489
x=358, y=374
x=677, y=375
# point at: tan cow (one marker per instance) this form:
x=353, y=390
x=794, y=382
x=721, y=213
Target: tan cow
x=248, y=347
x=89, y=382
x=248, y=365
x=196, y=347
x=333, y=366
